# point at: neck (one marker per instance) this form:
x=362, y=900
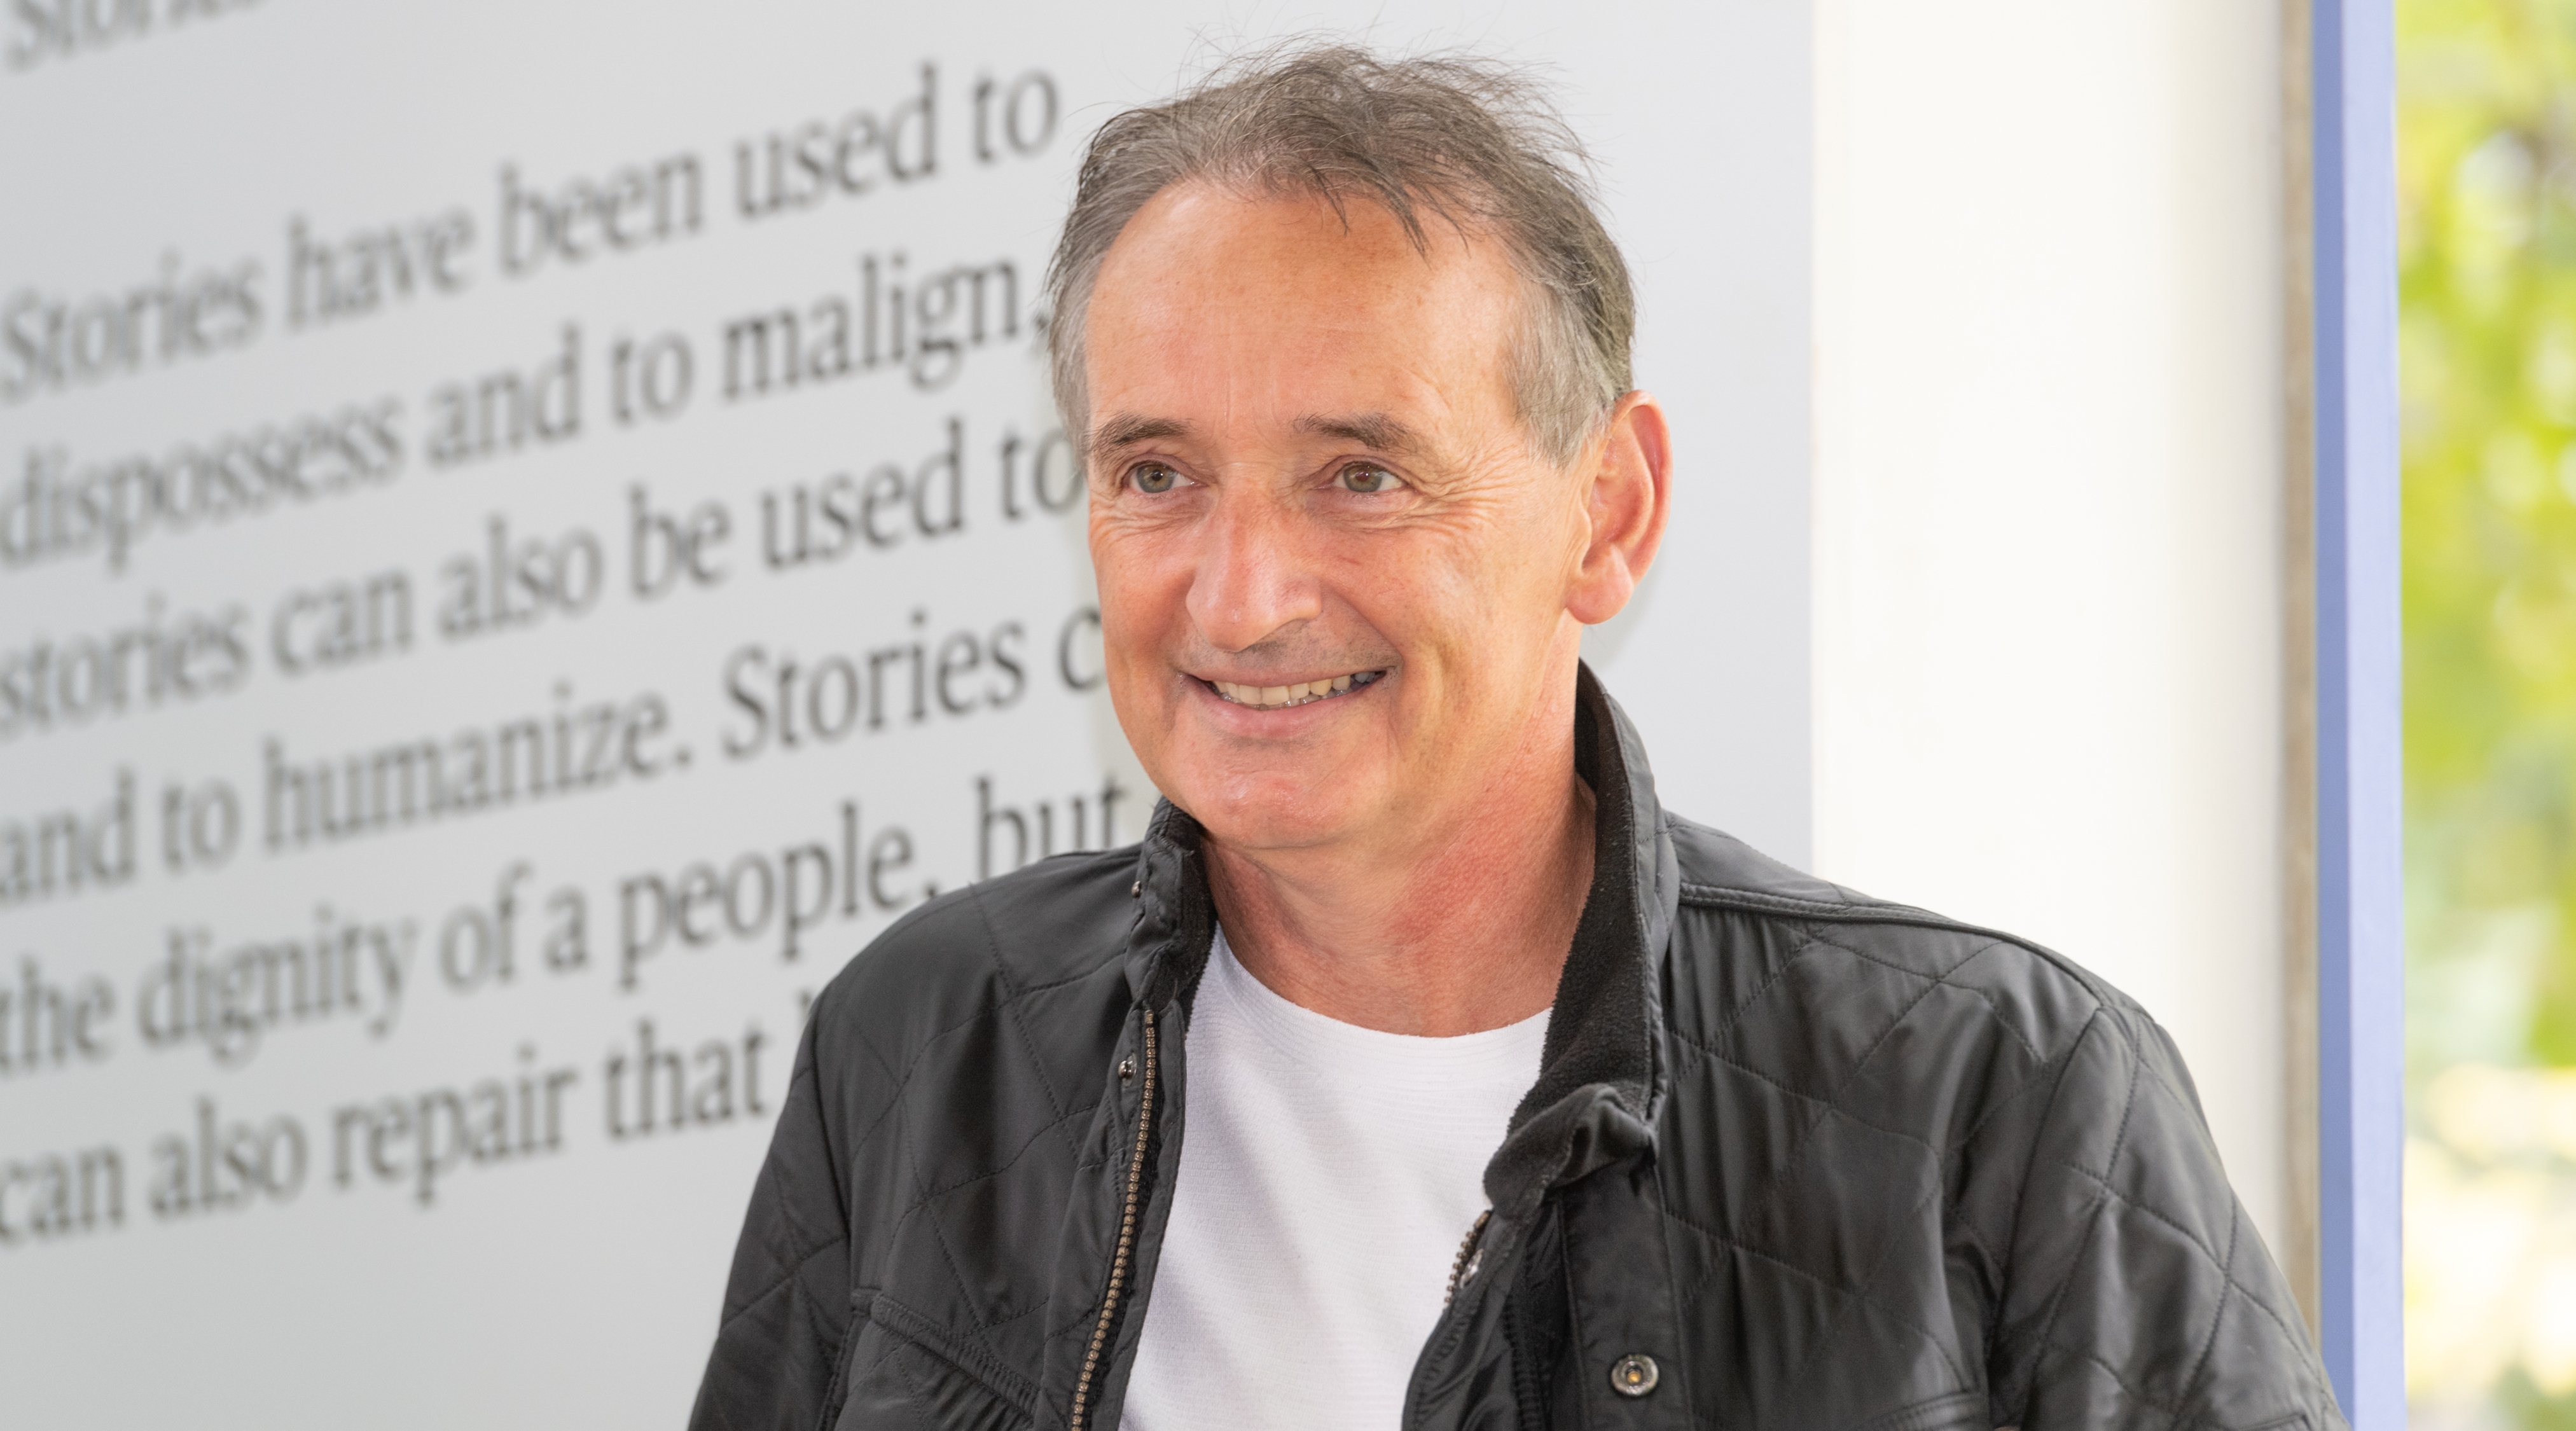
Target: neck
x=1454, y=926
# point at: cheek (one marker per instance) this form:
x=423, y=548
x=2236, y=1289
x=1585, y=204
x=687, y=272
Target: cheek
x=1523, y=574
x=1478, y=621
x=1142, y=590
x=1451, y=588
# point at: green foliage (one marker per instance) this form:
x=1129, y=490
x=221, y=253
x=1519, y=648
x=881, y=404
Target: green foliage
x=2533, y=1409
x=2487, y=265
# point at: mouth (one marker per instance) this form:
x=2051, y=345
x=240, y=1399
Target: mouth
x=1303, y=693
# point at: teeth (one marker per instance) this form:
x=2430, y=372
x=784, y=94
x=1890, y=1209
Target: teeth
x=1280, y=697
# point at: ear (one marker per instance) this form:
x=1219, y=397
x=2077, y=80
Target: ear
x=1630, y=495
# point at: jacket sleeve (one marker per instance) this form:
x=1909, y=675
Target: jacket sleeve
x=787, y=1306
x=2138, y=1292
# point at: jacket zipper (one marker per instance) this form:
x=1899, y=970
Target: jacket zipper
x=1126, y=1240
x=1463, y=1266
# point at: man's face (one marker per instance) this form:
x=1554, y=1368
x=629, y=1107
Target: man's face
x=1334, y=574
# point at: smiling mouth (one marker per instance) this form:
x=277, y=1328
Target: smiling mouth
x=1280, y=698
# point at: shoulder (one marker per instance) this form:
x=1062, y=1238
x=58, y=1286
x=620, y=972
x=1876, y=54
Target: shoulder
x=1876, y=1059
x=1836, y=993
x=1048, y=931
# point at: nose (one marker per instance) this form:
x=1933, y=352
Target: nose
x=1255, y=577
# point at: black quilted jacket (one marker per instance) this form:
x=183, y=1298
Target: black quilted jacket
x=1794, y=1159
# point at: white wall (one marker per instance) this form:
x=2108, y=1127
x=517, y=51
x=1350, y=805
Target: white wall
x=1713, y=204
x=578, y=1285
x=2048, y=543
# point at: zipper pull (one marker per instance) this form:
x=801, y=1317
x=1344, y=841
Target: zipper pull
x=1462, y=1268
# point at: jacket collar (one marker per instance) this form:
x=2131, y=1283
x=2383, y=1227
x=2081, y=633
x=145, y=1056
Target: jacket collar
x=1601, y=1078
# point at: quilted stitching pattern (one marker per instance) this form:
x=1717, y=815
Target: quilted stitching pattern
x=941, y=1113
x=1912, y=1177
x=1952, y=1164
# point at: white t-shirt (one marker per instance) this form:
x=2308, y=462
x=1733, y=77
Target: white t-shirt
x=1328, y=1174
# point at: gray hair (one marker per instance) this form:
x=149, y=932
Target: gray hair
x=1465, y=139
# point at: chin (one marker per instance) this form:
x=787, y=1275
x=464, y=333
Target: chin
x=1273, y=810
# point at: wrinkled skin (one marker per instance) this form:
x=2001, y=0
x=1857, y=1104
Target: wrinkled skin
x=1306, y=465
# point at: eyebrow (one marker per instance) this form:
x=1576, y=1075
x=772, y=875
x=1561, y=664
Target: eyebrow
x=1128, y=429
x=1368, y=429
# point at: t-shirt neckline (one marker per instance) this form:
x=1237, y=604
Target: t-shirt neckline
x=1320, y=1039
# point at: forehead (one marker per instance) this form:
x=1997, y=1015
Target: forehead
x=1276, y=308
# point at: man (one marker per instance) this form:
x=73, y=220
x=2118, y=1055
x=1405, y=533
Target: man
x=1418, y=1069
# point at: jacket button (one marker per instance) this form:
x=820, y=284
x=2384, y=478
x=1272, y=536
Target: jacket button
x=1127, y=1069
x=1634, y=1374
x=1136, y=890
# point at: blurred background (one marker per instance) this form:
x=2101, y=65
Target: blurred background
x=2487, y=245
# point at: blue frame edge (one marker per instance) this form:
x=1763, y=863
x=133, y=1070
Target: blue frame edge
x=2360, y=760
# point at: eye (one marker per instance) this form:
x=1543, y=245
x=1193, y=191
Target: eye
x=1367, y=478
x=1155, y=478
